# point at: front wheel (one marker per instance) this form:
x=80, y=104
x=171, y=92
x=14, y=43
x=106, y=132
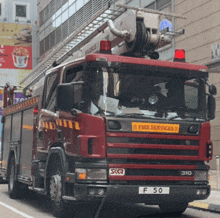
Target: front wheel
x=56, y=193
x=174, y=208
x=13, y=186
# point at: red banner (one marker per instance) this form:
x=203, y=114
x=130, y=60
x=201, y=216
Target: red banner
x=15, y=57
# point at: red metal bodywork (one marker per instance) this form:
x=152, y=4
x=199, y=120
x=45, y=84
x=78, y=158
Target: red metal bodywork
x=149, y=62
x=93, y=128
x=146, y=163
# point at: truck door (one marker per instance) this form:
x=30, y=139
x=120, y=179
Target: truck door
x=69, y=124
x=47, y=120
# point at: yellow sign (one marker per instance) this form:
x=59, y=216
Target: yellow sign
x=14, y=34
x=155, y=127
x=21, y=75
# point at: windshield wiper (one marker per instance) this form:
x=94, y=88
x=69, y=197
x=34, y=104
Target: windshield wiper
x=134, y=115
x=104, y=113
x=183, y=116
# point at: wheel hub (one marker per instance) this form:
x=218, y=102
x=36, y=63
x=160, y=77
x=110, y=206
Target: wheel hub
x=55, y=188
x=12, y=178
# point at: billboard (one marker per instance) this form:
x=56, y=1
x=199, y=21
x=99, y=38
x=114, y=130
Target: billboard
x=15, y=46
x=0, y=132
x=15, y=56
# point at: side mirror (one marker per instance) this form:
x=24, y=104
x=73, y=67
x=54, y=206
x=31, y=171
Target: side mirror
x=65, y=99
x=211, y=107
x=40, y=135
x=212, y=89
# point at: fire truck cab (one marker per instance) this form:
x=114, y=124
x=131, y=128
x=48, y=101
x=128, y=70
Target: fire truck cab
x=109, y=127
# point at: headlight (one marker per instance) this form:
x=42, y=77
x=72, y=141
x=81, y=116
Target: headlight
x=201, y=191
x=201, y=175
x=81, y=174
x=153, y=99
x=91, y=174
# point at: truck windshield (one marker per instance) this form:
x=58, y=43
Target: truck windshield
x=144, y=95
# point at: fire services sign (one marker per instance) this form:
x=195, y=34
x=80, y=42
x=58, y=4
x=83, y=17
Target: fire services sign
x=155, y=127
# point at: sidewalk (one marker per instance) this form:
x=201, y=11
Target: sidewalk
x=212, y=203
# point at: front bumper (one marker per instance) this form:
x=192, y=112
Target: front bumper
x=130, y=193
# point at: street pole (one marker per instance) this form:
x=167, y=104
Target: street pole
x=217, y=169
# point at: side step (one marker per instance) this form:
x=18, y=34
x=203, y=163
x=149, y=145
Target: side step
x=69, y=198
x=40, y=191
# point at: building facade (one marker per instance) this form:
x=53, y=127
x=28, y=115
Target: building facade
x=21, y=11
x=201, y=43
x=18, y=43
x=58, y=19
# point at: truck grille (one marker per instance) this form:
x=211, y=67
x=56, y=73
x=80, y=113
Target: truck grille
x=153, y=157
x=156, y=151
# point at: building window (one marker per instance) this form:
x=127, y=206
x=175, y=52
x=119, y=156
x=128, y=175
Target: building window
x=2, y=13
x=156, y=4
x=21, y=11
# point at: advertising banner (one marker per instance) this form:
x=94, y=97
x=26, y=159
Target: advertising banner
x=14, y=34
x=17, y=99
x=14, y=78
x=15, y=57
x=9, y=76
x=15, y=46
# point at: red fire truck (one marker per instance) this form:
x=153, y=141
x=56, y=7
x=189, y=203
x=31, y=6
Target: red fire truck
x=114, y=124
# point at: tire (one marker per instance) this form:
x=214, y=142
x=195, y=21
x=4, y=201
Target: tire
x=56, y=193
x=174, y=209
x=14, y=189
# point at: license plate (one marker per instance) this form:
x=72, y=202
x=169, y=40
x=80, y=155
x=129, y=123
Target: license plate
x=154, y=190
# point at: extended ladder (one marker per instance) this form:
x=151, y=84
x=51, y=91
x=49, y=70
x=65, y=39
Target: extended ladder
x=73, y=42
x=82, y=36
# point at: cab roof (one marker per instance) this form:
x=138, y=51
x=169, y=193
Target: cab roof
x=149, y=62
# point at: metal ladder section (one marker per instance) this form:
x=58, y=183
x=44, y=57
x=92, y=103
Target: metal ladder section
x=161, y=14
x=165, y=14
x=74, y=42
x=83, y=35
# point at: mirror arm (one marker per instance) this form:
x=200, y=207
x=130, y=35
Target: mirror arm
x=75, y=112
x=205, y=81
